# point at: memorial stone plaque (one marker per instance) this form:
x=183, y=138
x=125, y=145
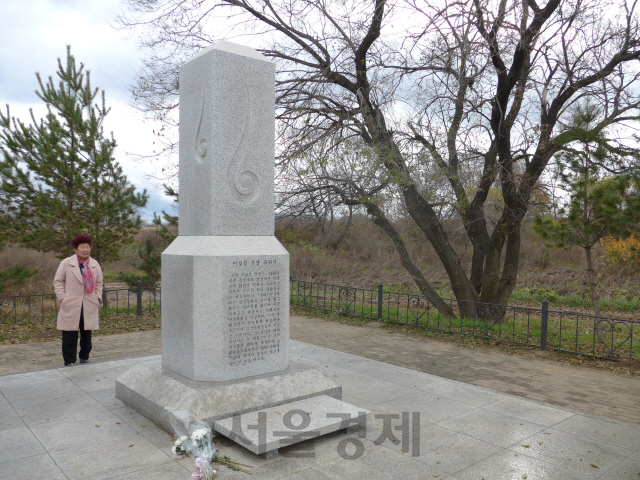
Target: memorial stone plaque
x=225, y=279
x=253, y=310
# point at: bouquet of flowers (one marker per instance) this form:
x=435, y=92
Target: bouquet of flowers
x=194, y=438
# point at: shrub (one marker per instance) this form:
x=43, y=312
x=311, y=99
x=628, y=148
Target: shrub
x=622, y=253
x=14, y=276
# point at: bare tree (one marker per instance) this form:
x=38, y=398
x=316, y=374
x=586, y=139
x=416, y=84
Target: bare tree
x=304, y=194
x=472, y=93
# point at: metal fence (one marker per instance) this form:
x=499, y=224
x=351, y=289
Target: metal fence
x=542, y=327
x=572, y=332
x=32, y=308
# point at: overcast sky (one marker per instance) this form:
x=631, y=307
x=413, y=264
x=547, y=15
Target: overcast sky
x=35, y=34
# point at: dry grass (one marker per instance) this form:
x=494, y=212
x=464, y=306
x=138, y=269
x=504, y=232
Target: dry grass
x=47, y=263
x=43, y=329
x=365, y=258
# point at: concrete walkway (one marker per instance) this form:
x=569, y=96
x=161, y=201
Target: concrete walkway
x=585, y=389
x=66, y=424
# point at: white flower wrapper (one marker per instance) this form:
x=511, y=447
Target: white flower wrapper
x=194, y=436
x=181, y=447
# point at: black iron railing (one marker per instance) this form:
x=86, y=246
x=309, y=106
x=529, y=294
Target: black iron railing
x=572, y=332
x=28, y=308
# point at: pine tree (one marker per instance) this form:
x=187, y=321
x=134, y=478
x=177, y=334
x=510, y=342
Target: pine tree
x=167, y=229
x=602, y=198
x=59, y=175
x=15, y=276
x=5, y=222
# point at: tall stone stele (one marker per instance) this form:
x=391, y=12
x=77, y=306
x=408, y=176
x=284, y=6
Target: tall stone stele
x=225, y=279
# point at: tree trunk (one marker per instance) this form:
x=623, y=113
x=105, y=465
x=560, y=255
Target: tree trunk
x=491, y=273
x=423, y=285
x=593, y=285
x=477, y=261
x=336, y=243
x=429, y=223
x=511, y=265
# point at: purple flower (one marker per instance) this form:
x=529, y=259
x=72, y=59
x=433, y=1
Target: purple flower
x=204, y=470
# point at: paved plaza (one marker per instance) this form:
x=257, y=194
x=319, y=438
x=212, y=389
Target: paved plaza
x=65, y=423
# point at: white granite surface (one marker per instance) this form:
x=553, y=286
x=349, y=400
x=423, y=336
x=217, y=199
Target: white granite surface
x=113, y=442
x=225, y=307
x=284, y=425
x=227, y=131
x=148, y=390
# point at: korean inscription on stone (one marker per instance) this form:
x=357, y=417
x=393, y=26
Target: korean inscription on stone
x=253, y=310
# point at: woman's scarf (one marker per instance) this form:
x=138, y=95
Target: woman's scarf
x=87, y=276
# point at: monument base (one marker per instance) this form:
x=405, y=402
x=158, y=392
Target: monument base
x=225, y=307
x=148, y=390
x=266, y=431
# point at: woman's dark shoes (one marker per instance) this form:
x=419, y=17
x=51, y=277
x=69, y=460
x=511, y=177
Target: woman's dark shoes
x=69, y=364
x=84, y=361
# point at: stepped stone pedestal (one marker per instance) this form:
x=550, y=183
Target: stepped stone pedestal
x=225, y=278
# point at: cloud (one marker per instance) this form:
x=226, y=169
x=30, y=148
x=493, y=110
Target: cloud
x=36, y=33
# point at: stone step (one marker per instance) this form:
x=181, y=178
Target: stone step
x=265, y=431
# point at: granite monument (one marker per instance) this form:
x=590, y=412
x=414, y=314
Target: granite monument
x=225, y=278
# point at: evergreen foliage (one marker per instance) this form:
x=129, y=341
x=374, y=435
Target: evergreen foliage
x=59, y=176
x=171, y=221
x=14, y=277
x=150, y=253
x=602, y=198
x=150, y=264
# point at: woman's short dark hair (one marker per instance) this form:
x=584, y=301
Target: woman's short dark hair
x=78, y=239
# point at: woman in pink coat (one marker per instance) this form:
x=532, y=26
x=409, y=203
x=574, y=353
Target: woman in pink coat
x=78, y=286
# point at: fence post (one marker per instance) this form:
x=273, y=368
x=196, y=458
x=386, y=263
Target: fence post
x=104, y=300
x=379, y=302
x=139, y=295
x=544, y=325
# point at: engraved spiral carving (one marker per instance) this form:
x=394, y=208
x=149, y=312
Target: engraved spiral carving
x=244, y=185
x=201, y=143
